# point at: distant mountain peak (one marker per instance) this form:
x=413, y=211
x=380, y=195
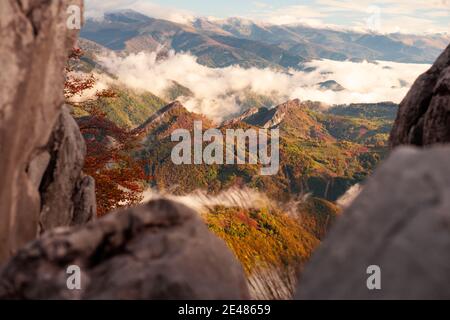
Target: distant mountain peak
x=159, y=116
x=171, y=117
x=209, y=26
x=127, y=16
x=330, y=85
x=243, y=116
x=239, y=21
x=269, y=118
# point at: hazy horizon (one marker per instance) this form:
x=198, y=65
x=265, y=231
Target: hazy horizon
x=382, y=16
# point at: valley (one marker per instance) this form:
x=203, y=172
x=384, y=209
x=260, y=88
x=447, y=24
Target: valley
x=224, y=151
x=324, y=150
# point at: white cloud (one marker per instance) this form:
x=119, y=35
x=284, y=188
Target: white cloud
x=97, y=8
x=413, y=16
x=217, y=91
x=202, y=201
x=389, y=6
x=404, y=24
x=295, y=14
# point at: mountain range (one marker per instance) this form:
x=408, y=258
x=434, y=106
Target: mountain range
x=236, y=41
x=323, y=151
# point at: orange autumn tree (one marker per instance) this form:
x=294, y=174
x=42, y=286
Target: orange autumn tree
x=119, y=178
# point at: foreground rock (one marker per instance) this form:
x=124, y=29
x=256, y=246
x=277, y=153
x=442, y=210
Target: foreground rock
x=400, y=222
x=424, y=114
x=161, y=250
x=34, y=46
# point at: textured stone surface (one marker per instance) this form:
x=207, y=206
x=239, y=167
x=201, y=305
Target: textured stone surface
x=424, y=114
x=84, y=201
x=66, y=195
x=400, y=222
x=161, y=250
x=33, y=51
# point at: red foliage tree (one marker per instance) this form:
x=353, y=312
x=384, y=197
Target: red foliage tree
x=119, y=178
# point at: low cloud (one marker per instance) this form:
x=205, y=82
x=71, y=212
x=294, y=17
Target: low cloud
x=201, y=201
x=295, y=14
x=217, y=92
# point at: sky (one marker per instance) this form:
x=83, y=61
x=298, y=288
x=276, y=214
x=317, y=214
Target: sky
x=383, y=16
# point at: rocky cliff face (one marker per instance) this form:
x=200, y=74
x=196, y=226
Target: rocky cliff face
x=271, y=118
x=67, y=195
x=161, y=250
x=424, y=114
x=34, y=46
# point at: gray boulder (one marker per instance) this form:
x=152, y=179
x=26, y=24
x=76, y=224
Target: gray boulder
x=424, y=114
x=401, y=223
x=161, y=250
